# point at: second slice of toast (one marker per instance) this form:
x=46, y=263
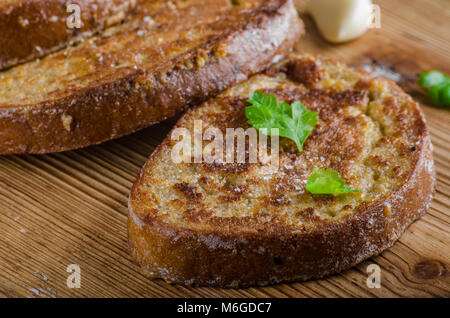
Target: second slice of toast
x=171, y=55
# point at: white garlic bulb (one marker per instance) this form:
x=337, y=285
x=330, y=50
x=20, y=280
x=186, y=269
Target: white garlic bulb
x=341, y=20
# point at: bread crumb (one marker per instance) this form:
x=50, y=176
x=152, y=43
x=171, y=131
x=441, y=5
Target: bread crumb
x=387, y=210
x=23, y=22
x=149, y=20
x=66, y=121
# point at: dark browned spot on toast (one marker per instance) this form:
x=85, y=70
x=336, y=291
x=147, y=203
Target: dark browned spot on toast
x=276, y=199
x=326, y=100
x=203, y=180
x=234, y=168
x=150, y=215
x=362, y=84
x=189, y=191
x=304, y=71
x=196, y=215
x=377, y=161
x=350, y=97
x=318, y=99
x=233, y=192
x=308, y=215
x=286, y=95
x=233, y=114
x=178, y=204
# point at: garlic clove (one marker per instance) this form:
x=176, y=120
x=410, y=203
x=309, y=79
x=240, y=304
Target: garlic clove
x=341, y=20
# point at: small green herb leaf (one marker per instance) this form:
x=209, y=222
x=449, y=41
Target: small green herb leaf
x=439, y=85
x=323, y=181
x=293, y=121
x=432, y=78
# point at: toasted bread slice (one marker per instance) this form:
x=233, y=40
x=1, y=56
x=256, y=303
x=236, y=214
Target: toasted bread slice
x=242, y=224
x=171, y=55
x=32, y=29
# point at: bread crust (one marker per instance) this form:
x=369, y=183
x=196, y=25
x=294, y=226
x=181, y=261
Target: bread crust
x=229, y=258
x=33, y=29
x=95, y=114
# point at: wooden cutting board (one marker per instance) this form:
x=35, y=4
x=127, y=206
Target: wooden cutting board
x=71, y=208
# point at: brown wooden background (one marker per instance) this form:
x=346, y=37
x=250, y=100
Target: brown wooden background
x=71, y=207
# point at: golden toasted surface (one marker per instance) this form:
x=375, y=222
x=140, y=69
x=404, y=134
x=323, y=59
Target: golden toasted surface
x=369, y=131
x=154, y=41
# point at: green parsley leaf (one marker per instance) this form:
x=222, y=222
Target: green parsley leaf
x=323, y=181
x=432, y=78
x=439, y=85
x=294, y=122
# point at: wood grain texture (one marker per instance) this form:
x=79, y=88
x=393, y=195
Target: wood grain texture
x=71, y=208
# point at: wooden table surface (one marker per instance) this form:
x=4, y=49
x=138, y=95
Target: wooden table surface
x=71, y=208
